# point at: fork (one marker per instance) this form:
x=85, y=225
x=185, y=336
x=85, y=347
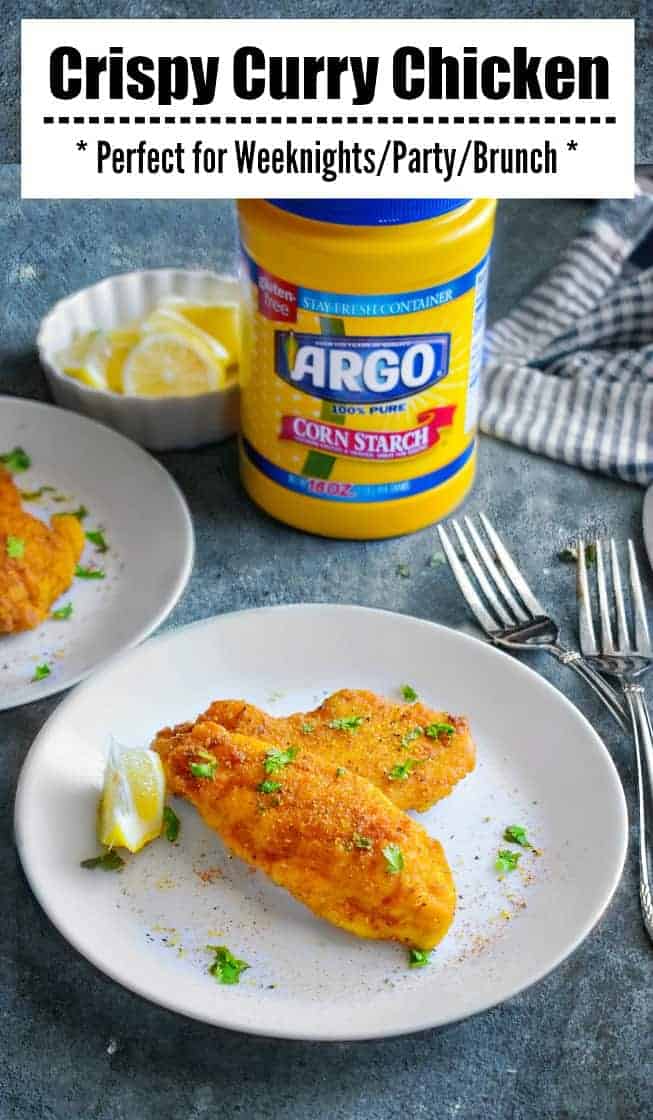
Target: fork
x=517, y=620
x=626, y=663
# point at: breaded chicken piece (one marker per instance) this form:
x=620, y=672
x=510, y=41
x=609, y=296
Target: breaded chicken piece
x=331, y=841
x=44, y=565
x=412, y=753
x=9, y=495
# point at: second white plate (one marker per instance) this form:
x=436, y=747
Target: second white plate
x=647, y=523
x=147, y=527
x=540, y=765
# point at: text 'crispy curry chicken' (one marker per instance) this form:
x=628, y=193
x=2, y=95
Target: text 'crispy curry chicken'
x=37, y=561
x=412, y=753
x=328, y=836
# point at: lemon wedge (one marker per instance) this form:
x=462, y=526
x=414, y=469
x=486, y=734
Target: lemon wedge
x=133, y=796
x=167, y=365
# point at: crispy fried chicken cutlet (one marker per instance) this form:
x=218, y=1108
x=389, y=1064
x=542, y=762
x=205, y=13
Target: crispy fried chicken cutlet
x=335, y=842
x=9, y=496
x=412, y=753
x=42, y=564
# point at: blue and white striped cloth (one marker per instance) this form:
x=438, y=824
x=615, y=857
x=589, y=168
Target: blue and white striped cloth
x=569, y=373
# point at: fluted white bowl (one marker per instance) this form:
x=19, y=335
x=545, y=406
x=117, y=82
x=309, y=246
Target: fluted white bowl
x=160, y=423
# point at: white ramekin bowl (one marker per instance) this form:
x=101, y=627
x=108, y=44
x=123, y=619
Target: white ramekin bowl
x=158, y=423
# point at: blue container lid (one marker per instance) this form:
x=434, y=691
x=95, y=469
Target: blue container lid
x=368, y=211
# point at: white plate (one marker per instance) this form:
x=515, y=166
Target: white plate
x=647, y=523
x=540, y=764
x=147, y=526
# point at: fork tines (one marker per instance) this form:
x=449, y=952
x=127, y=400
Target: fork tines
x=506, y=600
x=612, y=610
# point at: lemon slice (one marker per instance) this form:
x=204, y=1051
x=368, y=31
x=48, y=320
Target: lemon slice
x=220, y=321
x=131, y=806
x=167, y=320
x=166, y=365
x=86, y=358
x=88, y=376
x=121, y=342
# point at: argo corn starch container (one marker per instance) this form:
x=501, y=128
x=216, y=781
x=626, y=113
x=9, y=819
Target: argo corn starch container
x=363, y=335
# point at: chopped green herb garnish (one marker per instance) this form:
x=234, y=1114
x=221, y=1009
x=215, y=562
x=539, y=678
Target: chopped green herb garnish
x=15, y=548
x=276, y=760
x=203, y=769
x=408, y=692
x=515, y=834
x=32, y=495
x=403, y=570
x=569, y=555
x=419, y=958
x=308, y=728
x=340, y=770
x=269, y=786
x=401, y=771
x=63, y=613
x=80, y=513
x=347, y=723
x=16, y=460
x=362, y=842
x=171, y=824
x=108, y=861
x=226, y=968
x=41, y=672
x=88, y=573
x=394, y=858
x=437, y=559
x=435, y=730
x=507, y=860
x=96, y=537
x=410, y=736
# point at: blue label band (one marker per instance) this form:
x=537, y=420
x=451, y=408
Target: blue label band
x=333, y=491
x=359, y=370
x=378, y=307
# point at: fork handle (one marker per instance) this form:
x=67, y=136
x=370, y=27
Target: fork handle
x=604, y=691
x=643, y=736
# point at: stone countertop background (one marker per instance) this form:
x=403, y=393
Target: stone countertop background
x=73, y=1044
x=15, y=10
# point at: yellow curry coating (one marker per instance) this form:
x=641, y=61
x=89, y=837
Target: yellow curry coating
x=404, y=749
x=330, y=840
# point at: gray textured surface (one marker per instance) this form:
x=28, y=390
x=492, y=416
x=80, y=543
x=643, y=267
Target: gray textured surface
x=576, y=1045
x=15, y=10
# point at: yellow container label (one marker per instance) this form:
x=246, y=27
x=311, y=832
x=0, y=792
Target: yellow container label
x=362, y=399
